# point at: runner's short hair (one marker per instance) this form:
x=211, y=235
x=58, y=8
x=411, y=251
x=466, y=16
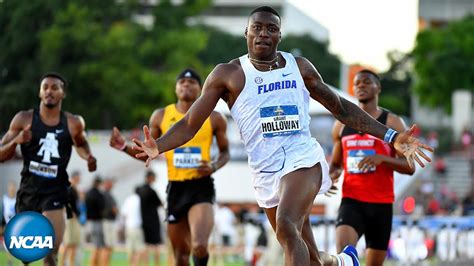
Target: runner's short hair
x=57, y=76
x=372, y=73
x=265, y=9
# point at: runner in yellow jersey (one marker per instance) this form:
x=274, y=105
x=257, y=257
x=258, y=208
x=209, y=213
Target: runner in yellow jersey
x=190, y=190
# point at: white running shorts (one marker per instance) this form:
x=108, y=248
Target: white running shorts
x=304, y=155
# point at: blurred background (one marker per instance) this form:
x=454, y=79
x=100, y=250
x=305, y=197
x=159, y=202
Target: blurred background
x=121, y=59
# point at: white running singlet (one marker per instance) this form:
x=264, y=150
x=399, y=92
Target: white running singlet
x=272, y=115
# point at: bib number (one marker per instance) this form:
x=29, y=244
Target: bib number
x=280, y=120
x=353, y=159
x=187, y=157
x=44, y=170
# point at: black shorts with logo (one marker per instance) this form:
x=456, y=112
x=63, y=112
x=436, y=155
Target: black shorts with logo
x=30, y=200
x=374, y=220
x=182, y=195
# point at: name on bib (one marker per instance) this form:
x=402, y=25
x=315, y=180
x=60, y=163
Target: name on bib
x=187, y=157
x=44, y=170
x=279, y=120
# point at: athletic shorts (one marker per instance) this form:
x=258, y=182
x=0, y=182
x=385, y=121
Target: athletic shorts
x=374, y=220
x=37, y=202
x=306, y=155
x=96, y=231
x=72, y=232
x=134, y=240
x=182, y=195
x=108, y=227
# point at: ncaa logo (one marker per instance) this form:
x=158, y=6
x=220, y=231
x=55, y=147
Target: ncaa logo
x=258, y=80
x=29, y=236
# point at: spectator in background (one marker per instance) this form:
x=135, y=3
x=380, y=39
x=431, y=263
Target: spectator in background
x=415, y=244
x=150, y=202
x=433, y=139
x=8, y=210
x=433, y=206
x=466, y=138
x=225, y=224
x=108, y=224
x=225, y=221
x=446, y=242
x=95, y=204
x=273, y=254
x=440, y=166
x=8, y=203
x=468, y=204
x=255, y=236
x=134, y=238
x=82, y=208
x=82, y=221
x=72, y=233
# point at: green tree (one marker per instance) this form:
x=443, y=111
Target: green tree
x=396, y=83
x=118, y=70
x=222, y=47
x=317, y=52
x=444, y=62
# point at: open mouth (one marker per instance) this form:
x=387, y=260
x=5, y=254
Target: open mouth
x=262, y=44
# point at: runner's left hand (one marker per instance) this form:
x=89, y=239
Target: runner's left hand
x=148, y=148
x=205, y=169
x=411, y=147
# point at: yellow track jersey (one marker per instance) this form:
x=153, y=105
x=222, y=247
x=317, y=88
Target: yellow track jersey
x=183, y=161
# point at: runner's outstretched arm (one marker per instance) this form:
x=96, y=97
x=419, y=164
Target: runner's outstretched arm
x=353, y=116
x=185, y=129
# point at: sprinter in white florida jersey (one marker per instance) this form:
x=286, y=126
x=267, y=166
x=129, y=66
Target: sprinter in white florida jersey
x=271, y=112
x=268, y=93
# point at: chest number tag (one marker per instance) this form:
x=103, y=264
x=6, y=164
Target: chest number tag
x=280, y=120
x=187, y=157
x=43, y=170
x=353, y=159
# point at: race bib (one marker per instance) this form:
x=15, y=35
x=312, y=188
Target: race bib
x=44, y=170
x=280, y=120
x=353, y=159
x=187, y=157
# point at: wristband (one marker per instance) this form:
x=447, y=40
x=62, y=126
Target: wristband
x=124, y=147
x=390, y=135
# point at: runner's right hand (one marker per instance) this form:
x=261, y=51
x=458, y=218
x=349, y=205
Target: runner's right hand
x=116, y=139
x=334, y=173
x=24, y=136
x=205, y=169
x=91, y=163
